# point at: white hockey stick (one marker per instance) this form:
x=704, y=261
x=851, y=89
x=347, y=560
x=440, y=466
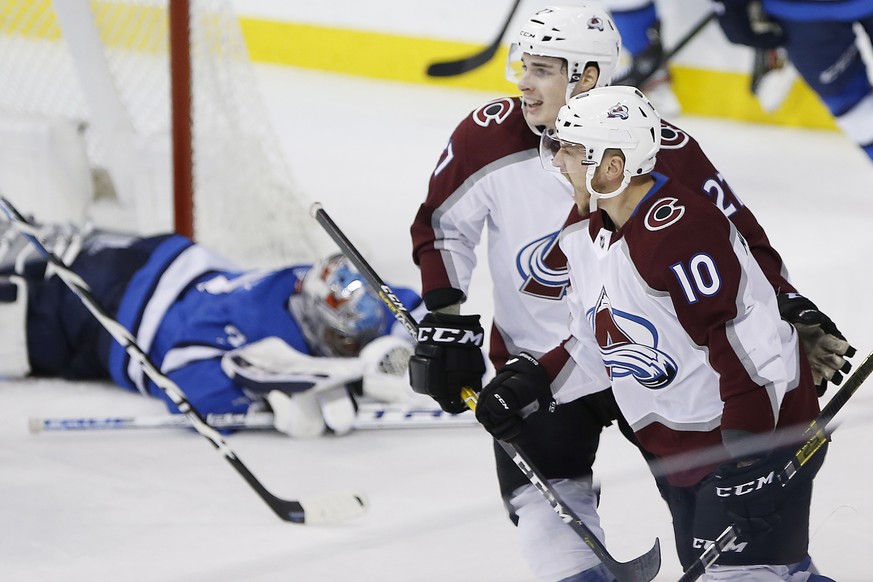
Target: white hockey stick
x=640, y=569
x=370, y=417
x=327, y=508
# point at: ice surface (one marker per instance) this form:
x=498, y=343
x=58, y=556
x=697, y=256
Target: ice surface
x=163, y=505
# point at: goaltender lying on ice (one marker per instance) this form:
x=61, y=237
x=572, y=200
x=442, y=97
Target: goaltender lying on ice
x=306, y=341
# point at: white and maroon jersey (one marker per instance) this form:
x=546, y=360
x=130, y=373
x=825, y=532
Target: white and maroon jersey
x=686, y=325
x=490, y=173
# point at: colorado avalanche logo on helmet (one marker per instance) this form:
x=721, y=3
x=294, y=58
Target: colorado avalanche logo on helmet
x=618, y=111
x=595, y=23
x=629, y=346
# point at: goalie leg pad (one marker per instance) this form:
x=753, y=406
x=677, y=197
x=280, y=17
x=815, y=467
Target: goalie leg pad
x=14, y=360
x=298, y=415
x=552, y=550
x=337, y=409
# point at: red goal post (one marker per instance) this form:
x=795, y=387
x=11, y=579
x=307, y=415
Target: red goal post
x=146, y=115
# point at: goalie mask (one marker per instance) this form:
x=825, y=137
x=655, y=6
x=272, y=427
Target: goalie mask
x=336, y=310
x=607, y=118
x=577, y=34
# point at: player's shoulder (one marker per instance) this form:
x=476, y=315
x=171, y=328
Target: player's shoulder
x=672, y=211
x=675, y=139
x=499, y=121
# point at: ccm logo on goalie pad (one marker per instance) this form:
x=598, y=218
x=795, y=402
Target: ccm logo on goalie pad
x=442, y=335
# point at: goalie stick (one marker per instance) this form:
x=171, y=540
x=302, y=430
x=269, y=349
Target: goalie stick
x=641, y=569
x=460, y=66
x=327, y=508
x=370, y=417
x=816, y=435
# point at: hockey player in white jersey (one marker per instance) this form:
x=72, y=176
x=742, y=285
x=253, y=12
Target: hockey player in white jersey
x=490, y=174
x=305, y=340
x=667, y=301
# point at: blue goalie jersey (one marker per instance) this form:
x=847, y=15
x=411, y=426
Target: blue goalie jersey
x=184, y=305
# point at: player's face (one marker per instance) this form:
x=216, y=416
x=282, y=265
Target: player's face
x=543, y=86
x=571, y=159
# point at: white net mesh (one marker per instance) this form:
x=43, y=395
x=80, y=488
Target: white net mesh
x=69, y=59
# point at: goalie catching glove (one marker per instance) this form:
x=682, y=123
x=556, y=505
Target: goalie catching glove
x=825, y=346
x=520, y=388
x=312, y=395
x=448, y=357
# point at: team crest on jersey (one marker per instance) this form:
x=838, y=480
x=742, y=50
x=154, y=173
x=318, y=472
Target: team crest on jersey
x=673, y=138
x=629, y=346
x=618, y=111
x=496, y=111
x=663, y=213
x=595, y=23
x=543, y=267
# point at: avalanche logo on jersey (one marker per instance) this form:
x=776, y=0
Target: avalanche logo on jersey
x=663, y=213
x=496, y=111
x=629, y=346
x=672, y=138
x=543, y=267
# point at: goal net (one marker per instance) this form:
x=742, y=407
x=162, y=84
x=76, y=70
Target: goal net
x=86, y=130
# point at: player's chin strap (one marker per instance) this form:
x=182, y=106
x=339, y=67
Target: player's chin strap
x=595, y=195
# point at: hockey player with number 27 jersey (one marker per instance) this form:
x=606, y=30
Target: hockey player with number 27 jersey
x=667, y=301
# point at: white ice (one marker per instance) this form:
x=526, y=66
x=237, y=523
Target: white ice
x=163, y=505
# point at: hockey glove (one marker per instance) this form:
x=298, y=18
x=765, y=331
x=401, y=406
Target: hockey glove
x=744, y=22
x=448, y=357
x=824, y=344
x=519, y=389
x=748, y=491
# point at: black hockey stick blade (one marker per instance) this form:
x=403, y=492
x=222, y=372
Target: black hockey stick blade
x=328, y=508
x=641, y=569
x=460, y=66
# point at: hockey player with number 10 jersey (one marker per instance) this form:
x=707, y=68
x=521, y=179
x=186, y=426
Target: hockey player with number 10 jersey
x=667, y=298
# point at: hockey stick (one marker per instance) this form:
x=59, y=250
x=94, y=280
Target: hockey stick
x=641, y=569
x=816, y=435
x=370, y=417
x=460, y=66
x=328, y=508
x=643, y=76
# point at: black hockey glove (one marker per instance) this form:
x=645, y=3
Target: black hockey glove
x=448, y=357
x=826, y=348
x=519, y=389
x=744, y=22
x=752, y=494
x=748, y=491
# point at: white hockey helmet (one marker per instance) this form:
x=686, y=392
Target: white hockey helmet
x=336, y=309
x=578, y=34
x=609, y=118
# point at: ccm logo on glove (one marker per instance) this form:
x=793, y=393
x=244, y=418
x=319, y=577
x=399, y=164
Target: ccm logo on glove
x=449, y=335
x=746, y=488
